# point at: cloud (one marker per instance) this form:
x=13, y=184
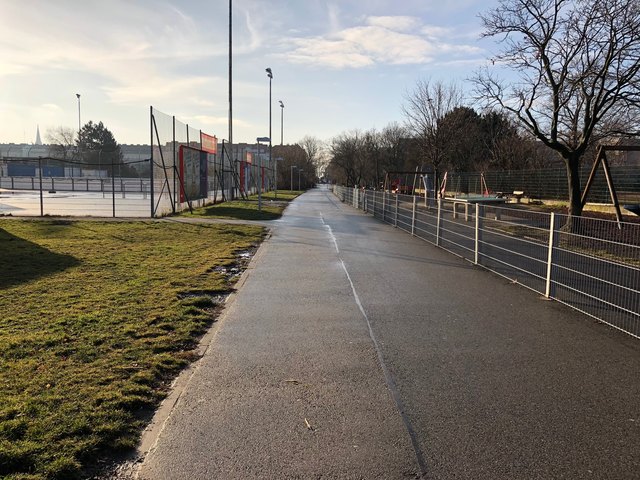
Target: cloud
x=221, y=122
x=399, y=23
x=52, y=107
x=390, y=40
x=433, y=31
x=154, y=88
x=130, y=52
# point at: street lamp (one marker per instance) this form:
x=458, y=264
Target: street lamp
x=281, y=122
x=79, y=122
x=258, y=140
x=299, y=172
x=291, y=184
x=270, y=75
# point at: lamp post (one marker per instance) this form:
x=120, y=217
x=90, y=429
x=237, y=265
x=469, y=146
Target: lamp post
x=79, y=122
x=299, y=172
x=281, y=122
x=291, y=184
x=258, y=182
x=270, y=75
x=258, y=140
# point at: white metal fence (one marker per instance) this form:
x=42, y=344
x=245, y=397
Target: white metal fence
x=593, y=266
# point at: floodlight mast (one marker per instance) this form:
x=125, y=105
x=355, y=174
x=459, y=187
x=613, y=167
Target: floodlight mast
x=270, y=75
x=281, y=122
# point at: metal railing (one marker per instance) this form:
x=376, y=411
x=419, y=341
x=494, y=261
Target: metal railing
x=589, y=264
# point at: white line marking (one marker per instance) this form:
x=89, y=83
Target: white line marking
x=391, y=384
x=333, y=237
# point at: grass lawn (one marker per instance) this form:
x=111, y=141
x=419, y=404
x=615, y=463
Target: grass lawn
x=271, y=207
x=286, y=195
x=97, y=318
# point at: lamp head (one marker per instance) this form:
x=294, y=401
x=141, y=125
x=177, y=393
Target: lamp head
x=269, y=72
x=78, y=95
x=281, y=104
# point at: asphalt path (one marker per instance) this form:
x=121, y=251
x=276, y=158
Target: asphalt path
x=355, y=351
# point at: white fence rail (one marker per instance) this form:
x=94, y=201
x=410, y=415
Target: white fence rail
x=593, y=267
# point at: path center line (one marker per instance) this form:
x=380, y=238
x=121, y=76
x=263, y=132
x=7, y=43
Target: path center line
x=333, y=237
x=391, y=384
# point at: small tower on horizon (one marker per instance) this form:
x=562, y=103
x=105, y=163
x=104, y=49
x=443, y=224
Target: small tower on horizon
x=38, y=140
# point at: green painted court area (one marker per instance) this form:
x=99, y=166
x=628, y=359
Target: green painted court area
x=97, y=318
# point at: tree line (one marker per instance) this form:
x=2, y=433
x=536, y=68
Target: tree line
x=458, y=140
x=574, y=68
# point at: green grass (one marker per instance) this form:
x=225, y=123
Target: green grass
x=97, y=317
x=271, y=208
x=286, y=195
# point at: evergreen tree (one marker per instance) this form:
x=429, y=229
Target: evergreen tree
x=100, y=150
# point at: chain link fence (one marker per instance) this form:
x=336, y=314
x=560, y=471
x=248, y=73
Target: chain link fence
x=589, y=264
x=548, y=184
x=52, y=186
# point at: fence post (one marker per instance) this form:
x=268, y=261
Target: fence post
x=413, y=216
x=40, y=180
x=549, y=291
x=479, y=215
x=113, y=188
x=438, y=222
x=395, y=220
x=384, y=204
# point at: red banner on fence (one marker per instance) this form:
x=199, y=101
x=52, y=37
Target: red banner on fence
x=209, y=143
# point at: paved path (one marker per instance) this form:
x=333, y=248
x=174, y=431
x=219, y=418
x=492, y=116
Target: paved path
x=354, y=351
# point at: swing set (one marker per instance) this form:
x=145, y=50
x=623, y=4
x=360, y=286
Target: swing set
x=455, y=185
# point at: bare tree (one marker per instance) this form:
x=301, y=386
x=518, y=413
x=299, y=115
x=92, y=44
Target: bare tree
x=316, y=152
x=394, y=140
x=348, y=162
x=372, y=155
x=294, y=158
x=424, y=111
x=62, y=142
x=578, y=63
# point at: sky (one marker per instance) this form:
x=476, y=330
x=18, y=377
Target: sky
x=337, y=65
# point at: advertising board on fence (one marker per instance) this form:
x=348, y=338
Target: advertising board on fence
x=209, y=143
x=193, y=174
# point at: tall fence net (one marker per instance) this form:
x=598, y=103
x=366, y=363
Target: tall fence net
x=223, y=173
x=170, y=174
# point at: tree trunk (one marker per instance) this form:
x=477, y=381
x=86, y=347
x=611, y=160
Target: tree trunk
x=575, y=192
